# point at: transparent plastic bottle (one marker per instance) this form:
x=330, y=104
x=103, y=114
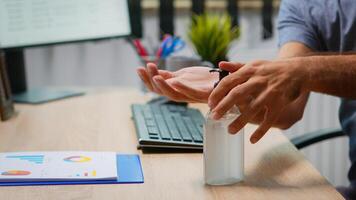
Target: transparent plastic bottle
x=223, y=152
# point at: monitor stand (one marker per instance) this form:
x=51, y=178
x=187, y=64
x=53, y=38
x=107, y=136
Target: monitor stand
x=15, y=63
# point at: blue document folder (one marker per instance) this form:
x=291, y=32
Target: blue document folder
x=129, y=171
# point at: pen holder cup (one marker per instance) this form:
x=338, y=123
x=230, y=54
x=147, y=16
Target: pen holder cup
x=160, y=62
x=175, y=63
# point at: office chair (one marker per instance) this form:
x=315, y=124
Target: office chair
x=316, y=136
x=319, y=136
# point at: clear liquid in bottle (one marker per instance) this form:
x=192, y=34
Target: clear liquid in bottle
x=223, y=152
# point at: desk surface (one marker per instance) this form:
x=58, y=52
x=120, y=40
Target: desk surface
x=100, y=121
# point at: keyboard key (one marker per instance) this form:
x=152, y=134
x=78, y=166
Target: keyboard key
x=170, y=124
x=194, y=132
x=181, y=108
x=200, y=128
x=139, y=120
x=163, y=129
x=181, y=126
x=147, y=112
x=150, y=122
x=152, y=130
x=173, y=129
x=172, y=108
x=154, y=137
x=156, y=109
x=196, y=116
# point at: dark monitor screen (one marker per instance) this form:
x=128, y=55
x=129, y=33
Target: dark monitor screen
x=26, y=23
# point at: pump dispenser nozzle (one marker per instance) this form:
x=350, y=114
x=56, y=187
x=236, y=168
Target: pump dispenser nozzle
x=222, y=74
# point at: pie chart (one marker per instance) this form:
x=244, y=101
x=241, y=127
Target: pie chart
x=77, y=159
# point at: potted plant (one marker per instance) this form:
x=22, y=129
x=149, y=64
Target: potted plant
x=211, y=35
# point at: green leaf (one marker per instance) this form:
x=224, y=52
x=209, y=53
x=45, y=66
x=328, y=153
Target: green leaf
x=212, y=35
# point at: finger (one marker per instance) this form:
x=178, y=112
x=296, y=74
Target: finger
x=258, y=118
x=242, y=120
x=225, y=86
x=232, y=99
x=165, y=74
x=271, y=116
x=142, y=73
x=168, y=91
x=230, y=66
x=153, y=71
x=240, y=95
x=200, y=96
x=252, y=110
x=266, y=100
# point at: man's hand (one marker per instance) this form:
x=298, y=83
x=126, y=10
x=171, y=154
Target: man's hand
x=259, y=87
x=192, y=84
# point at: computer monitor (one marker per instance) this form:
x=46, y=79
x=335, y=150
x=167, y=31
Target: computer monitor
x=28, y=23
x=25, y=23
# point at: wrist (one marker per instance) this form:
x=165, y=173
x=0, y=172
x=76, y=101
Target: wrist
x=305, y=71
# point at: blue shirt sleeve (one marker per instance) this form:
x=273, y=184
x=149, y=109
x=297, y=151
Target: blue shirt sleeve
x=295, y=26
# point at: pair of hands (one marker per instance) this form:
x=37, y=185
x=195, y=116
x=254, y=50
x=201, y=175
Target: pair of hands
x=261, y=89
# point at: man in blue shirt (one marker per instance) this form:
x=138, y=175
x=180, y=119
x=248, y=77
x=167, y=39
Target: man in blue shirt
x=314, y=36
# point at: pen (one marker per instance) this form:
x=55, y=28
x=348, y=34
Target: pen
x=161, y=47
x=171, y=45
x=140, y=48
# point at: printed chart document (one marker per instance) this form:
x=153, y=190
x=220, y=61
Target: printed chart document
x=57, y=166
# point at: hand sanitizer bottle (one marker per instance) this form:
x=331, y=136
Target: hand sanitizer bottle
x=223, y=152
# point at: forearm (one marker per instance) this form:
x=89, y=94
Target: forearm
x=333, y=75
x=294, y=49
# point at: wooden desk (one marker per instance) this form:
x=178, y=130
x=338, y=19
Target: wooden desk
x=100, y=121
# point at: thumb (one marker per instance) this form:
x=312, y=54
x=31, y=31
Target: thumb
x=230, y=66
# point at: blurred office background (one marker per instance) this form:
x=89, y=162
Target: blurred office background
x=113, y=63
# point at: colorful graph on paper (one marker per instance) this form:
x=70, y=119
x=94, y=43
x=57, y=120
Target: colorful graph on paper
x=58, y=166
x=16, y=173
x=77, y=159
x=37, y=159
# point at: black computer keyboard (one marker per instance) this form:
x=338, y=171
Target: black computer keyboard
x=168, y=126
